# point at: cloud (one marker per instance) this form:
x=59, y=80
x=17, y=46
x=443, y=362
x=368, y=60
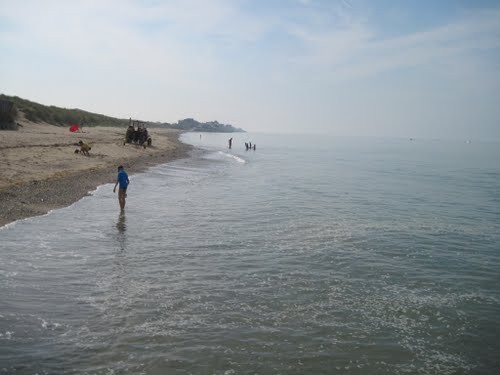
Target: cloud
x=356, y=51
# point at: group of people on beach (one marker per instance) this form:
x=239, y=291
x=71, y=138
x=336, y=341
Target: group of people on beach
x=248, y=145
x=138, y=136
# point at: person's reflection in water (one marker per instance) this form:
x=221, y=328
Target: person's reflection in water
x=121, y=225
x=118, y=275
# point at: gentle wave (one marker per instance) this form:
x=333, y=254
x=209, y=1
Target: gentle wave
x=237, y=158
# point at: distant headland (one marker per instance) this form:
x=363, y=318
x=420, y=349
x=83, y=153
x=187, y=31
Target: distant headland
x=190, y=124
x=36, y=112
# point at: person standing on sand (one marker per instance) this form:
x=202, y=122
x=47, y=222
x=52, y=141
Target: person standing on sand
x=122, y=179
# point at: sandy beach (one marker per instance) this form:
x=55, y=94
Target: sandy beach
x=41, y=171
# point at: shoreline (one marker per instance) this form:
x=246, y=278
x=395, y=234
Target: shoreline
x=36, y=197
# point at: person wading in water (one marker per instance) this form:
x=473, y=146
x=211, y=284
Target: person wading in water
x=122, y=179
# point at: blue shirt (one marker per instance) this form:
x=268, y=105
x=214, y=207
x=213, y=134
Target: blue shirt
x=123, y=179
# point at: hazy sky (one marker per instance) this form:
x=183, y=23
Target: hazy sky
x=347, y=67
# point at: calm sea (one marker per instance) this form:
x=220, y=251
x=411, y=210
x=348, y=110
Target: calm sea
x=310, y=255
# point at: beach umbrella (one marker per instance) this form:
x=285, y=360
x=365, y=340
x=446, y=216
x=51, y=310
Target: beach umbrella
x=74, y=128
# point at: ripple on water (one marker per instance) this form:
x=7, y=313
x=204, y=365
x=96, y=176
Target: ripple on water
x=227, y=267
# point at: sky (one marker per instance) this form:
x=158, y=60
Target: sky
x=343, y=67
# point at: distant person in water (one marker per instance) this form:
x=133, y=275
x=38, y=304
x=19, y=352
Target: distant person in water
x=230, y=142
x=254, y=146
x=122, y=179
x=250, y=145
x=246, y=146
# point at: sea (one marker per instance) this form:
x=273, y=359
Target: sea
x=310, y=255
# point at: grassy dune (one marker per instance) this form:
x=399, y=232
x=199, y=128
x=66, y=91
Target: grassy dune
x=61, y=116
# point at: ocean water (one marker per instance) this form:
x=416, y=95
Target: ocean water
x=310, y=255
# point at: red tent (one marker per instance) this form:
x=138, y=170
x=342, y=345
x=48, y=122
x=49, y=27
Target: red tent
x=74, y=128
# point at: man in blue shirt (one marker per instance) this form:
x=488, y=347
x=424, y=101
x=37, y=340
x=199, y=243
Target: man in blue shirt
x=121, y=179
